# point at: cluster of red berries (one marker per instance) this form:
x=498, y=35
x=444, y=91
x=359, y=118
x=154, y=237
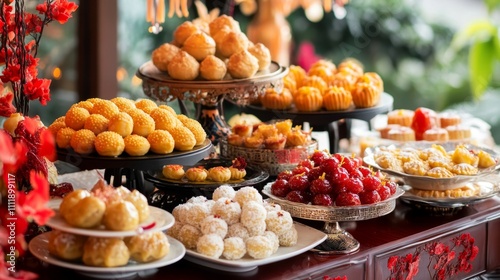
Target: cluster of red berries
x=328, y=180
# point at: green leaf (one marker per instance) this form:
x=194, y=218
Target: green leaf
x=481, y=30
x=481, y=60
x=496, y=42
x=492, y=5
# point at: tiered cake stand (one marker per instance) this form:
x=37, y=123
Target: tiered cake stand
x=209, y=95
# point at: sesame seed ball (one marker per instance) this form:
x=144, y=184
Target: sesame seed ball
x=146, y=105
x=87, y=105
x=163, y=119
x=279, y=221
x=238, y=230
x=223, y=191
x=143, y=123
x=82, y=141
x=227, y=209
x=183, y=137
x=94, y=100
x=198, y=131
x=60, y=119
x=234, y=248
x=175, y=229
x=168, y=108
x=196, y=214
x=76, y=117
x=247, y=194
x=109, y=143
x=189, y=236
x=63, y=137
x=289, y=237
x=259, y=247
x=136, y=145
x=210, y=245
x=55, y=126
x=122, y=124
x=96, y=123
x=106, y=108
x=124, y=104
x=274, y=239
x=161, y=142
x=213, y=224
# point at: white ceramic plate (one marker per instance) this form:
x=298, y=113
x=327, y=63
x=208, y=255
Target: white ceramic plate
x=308, y=238
x=39, y=248
x=158, y=219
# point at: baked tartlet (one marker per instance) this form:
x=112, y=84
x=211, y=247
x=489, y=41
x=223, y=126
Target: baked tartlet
x=277, y=100
x=365, y=95
x=337, y=99
x=308, y=99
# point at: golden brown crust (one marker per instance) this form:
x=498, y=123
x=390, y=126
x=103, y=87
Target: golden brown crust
x=162, y=56
x=199, y=45
x=212, y=68
x=263, y=55
x=242, y=65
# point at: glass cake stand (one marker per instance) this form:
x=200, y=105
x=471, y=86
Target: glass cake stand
x=209, y=95
x=338, y=240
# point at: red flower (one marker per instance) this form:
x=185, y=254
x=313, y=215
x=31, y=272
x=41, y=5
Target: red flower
x=38, y=88
x=6, y=107
x=47, y=145
x=11, y=73
x=11, y=155
x=33, y=205
x=391, y=263
x=59, y=10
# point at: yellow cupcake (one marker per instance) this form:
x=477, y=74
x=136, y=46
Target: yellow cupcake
x=161, y=142
x=82, y=141
x=96, y=123
x=337, y=98
x=136, y=145
x=109, y=143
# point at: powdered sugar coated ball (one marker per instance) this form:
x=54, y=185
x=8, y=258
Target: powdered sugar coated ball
x=210, y=245
x=279, y=221
x=289, y=237
x=256, y=227
x=228, y=210
x=189, y=236
x=223, y=191
x=251, y=212
x=197, y=199
x=259, y=247
x=197, y=213
x=274, y=238
x=238, y=230
x=234, y=248
x=180, y=212
x=213, y=224
x=247, y=194
x=271, y=206
x=174, y=230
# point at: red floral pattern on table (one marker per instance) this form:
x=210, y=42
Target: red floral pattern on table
x=326, y=277
x=444, y=261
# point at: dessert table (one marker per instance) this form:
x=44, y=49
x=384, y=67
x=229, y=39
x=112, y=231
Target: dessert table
x=404, y=232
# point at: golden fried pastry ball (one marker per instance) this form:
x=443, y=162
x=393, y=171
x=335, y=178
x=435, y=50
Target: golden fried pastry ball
x=11, y=123
x=140, y=202
x=53, y=128
x=87, y=105
x=82, y=141
x=161, y=142
x=221, y=21
x=109, y=143
x=94, y=100
x=106, y=108
x=96, y=123
x=199, y=45
x=219, y=39
x=60, y=119
x=162, y=55
x=76, y=117
x=148, y=247
x=65, y=245
x=184, y=67
x=136, y=145
x=163, y=119
x=262, y=54
x=71, y=199
x=86, y=213
x=168, y=108
x=173, y=171
x=143, y=123
x=122, y=124
x=199, y=133
x=196, y=174
x=121, y=215
x=242, y=65
x=183, y=31
x=124, y=104
x=105, y=252
x=233, y=42
x=63, y=137
x=212, y=68
x=183, y=137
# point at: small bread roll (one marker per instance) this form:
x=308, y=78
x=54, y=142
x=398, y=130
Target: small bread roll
x=148, y=247
x=109, y=143
x=196, y=174
x=161, y=142
x=136, y=145
x=122, y=124
x=87, y=213
x=221, y=21
x=105, y=252
x=183, y=31
x=242, y=65
x=199, y=45
x=212, y=68
x=70, y=200
x=121, y=215
x=184, y=67
x=219, y=174
x=233, y=42
x=262, y=54
x=162, y=55
x=66, y=245
x=140, y=202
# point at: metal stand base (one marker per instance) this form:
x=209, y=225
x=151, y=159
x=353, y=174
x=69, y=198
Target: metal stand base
x=338, y=241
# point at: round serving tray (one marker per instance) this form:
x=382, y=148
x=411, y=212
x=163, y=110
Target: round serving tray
x=146, y=162
x=160, y=86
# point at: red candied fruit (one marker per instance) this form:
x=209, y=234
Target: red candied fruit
x=285, y=175
x=384, y=192
x=280, y=188
x=354, y=185
x=392, y=186
x=306, y=163
x=318, y=156
x=300, y=170
x=347, y=199
x=365, y=171
x=320, y=186
x=295, y=196
x=372, y=183
x=298, y=182
x=314, y=173
x=329, y=165
x=322, y=199
x=369, y=197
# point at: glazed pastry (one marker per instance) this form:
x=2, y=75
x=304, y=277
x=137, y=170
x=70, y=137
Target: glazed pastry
x=199, y=45
x=298, y=74
x=184, y=139
x=402, y=117
x=263, y=55
x=275, y=142
x=121, y=123
x=458, y=132
x=212, y=68
x=296, y=137
x=121, y=215
x=136, y=145
x=82, y=141
x=324, y=63
x=162, y=55
x=365, y=95
x=277, y=100
x=196, y=174
x=253, y=142
x=485, y=159
x=70, y=200
x=235, y=140
x=183, y=66
x=96, y=123
x=308, y=99
x=351, y=66
x=343, y=79
x=242, y=129
x=337, y=99
x=173, y=171
x=465, y=191
x=237, y=174
x=219, y=174
x=384, y=132
x=161, y=142
x=464, y=169
x=86, y=213
x=373, y=79
x=242, y=65
x=66, y=246
x=401, y=133
x=316, y=82
x=183, y=31
x=290, y=84
x=109, y=143
x=148, y=247
x=105, y=252
x=284, y=127
x=195, y=127
x=321, y=71
x=439, y=172
x=75, y=118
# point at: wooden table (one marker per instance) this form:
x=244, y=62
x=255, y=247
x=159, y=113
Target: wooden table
x=404, y=231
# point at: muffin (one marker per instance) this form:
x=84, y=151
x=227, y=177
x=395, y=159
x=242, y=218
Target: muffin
x=308, y=99
x=277, y=100
x=337, y=99
x=402, y=117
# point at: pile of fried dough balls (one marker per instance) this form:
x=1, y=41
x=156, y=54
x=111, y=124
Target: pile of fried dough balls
x=211, y=52
x=111, y=127
x=109, y=208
